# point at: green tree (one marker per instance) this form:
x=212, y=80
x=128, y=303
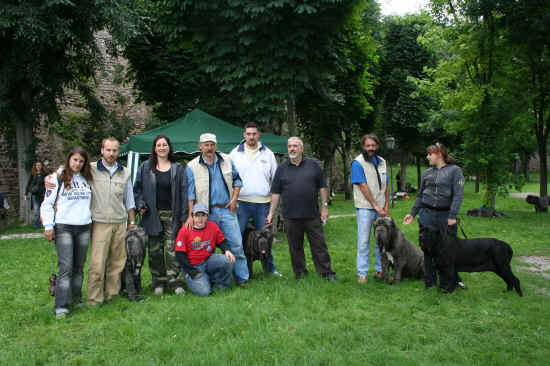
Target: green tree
x=528, y=26
x=332, y=114
x=48, y=45
x=470, y=82
x=401, y=108
x=262, y=54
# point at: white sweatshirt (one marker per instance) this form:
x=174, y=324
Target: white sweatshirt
x=256, y=174
x=73, y=205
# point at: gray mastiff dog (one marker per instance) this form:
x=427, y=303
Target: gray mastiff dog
x=397, y=251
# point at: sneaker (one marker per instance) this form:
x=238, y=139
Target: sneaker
x=61, y=316
x=159, y=291
x=277, y=273
x=179, y=291
x=331, y=278
x=461, y=285
x=362, y=280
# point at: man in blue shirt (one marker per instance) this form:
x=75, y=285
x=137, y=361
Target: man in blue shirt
x=212, y=179
x=371, y=197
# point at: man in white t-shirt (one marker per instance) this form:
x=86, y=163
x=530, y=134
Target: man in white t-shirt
x=256, y=165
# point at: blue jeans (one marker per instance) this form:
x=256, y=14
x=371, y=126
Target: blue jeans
x=215, y=270
x=71, y=243
x=365, y=219
x=229, y=225
x=258, y=212
x=36, y=202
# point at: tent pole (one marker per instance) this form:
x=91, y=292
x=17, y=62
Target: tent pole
x=135, y=166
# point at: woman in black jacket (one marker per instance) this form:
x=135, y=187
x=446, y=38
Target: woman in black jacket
x=35, y=189
x=160, y=193
x=439, y=198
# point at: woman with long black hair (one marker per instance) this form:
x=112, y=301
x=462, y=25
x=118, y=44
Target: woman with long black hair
x=160, y=192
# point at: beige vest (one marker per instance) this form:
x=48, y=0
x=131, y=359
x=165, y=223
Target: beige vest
x=378, y=193
x=202, y=178
x=108, y=195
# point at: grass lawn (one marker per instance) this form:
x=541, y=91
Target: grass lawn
x=285, y=322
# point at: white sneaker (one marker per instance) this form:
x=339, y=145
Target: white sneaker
x=159, y=291
x=277, y=273
x=179, y=291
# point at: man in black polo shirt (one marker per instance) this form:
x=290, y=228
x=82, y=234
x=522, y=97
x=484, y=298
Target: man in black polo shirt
x=299, y=180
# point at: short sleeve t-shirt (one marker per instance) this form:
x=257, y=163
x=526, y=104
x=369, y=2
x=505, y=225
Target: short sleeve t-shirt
x=199, y=244
x=299, y=187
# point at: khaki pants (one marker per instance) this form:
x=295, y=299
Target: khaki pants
x=107, y=260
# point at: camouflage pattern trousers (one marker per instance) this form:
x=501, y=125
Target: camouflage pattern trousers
x=162, y=259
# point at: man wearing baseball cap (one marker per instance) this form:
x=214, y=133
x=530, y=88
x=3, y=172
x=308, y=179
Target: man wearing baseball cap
x=213, y=180
x=195, y=252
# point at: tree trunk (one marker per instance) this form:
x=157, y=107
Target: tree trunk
x=525, y=165
x=346, y=151
x=418, y=173
x=403, y=173
x=543, y=170
x=24, y=140
x=327, y=168
x=291, y=116
x=478, y=178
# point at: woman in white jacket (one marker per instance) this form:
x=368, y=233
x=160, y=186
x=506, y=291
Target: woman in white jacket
x=67, y=218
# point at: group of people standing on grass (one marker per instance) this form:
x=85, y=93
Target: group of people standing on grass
x=189, y=211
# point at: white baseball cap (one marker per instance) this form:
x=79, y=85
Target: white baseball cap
x=208, y=137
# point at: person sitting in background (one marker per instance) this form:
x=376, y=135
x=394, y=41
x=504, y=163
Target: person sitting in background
x=195, y=252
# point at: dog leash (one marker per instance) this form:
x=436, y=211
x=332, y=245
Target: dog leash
x=458, y=222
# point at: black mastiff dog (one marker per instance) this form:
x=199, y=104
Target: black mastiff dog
x=453, y=255
x=397, y=251
x=257, y=246
x=136, y=241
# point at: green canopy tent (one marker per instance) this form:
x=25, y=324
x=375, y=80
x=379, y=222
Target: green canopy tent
x=184, y=135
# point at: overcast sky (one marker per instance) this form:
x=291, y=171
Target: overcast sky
x=401, y=7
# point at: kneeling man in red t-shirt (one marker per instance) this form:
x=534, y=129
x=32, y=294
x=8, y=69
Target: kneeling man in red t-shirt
x=195, y=253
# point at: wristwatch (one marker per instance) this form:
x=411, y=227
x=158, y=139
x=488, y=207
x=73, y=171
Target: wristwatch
x=132, y=222
x=325, y=204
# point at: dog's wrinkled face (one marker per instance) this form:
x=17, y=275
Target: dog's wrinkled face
x=264, y=241
x=383, y=231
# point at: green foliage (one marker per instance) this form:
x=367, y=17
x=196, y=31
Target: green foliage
x=403, y=108
x=238, y=60
x=471, y=82
x=331, y=115
x=86, y=131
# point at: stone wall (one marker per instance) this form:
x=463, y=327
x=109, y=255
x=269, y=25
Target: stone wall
x=116, y=94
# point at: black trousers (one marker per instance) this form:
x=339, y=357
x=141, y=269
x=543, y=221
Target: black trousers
x=295, y=230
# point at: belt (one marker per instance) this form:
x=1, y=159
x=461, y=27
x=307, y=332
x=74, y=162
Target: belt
x=219, y=206
x=437, y=208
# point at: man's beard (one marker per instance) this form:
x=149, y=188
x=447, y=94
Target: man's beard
x=293, y=155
